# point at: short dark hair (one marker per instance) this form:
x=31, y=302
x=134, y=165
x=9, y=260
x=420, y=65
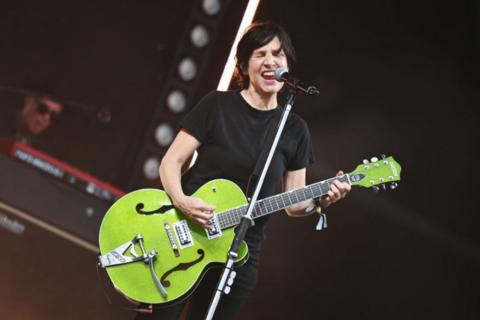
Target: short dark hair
x=257, y=35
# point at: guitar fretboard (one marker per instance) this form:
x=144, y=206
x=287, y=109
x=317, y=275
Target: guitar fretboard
x=277, y=202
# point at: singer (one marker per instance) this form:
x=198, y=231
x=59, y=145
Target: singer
x=228, y=130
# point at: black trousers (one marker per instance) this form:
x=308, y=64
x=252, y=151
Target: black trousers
x=198, y=303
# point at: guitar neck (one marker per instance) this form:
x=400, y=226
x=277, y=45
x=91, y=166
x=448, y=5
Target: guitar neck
x=278, y=202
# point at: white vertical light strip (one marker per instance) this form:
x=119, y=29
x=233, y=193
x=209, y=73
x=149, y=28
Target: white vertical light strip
x=230, y=65
x=226, y=77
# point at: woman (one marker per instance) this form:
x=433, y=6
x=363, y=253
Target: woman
x=228, y=129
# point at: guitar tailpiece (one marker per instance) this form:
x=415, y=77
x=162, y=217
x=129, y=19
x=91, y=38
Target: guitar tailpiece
x=117, y=256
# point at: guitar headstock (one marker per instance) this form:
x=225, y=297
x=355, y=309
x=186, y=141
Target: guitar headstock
x=376, y=173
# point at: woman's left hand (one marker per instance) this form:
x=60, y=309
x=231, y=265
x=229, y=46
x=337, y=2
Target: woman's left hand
x=338, y=190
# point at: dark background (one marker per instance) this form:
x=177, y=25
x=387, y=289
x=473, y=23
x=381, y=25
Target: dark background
x=397, y=77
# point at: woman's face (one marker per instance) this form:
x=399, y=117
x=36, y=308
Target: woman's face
x=262, y=65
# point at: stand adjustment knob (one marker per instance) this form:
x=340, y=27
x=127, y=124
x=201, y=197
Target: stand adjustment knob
x=227, y=290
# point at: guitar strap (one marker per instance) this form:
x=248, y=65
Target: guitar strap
x=266, y=143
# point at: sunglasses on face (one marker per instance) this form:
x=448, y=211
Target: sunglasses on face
x=44, y=110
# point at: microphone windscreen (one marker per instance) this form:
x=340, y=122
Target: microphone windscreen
x=279, y=73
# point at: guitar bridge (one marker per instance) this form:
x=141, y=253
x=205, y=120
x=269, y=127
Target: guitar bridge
x=215, y=230
x=173, y=245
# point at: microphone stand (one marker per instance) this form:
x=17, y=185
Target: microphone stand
x=226, y=280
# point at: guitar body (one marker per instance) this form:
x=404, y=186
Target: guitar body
x=149, y=213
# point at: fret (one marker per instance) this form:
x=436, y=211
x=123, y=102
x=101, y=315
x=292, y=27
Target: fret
x=236, y=220
x=237, y=215
x=324, y=187
x=271, y=206
x=298, y=195
x=304, y=193
x=277, y=204
x=260, y=209
x=285, y=201
x=293, y=198
x=283, y=198
x=257, y=210
x=311, y=193
x=254, y=211
x=316, y=189
x=229, y=217
x=220, y=219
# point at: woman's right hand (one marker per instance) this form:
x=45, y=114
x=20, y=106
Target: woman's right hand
x=195, y=209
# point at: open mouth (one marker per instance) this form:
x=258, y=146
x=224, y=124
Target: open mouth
x=268, y=75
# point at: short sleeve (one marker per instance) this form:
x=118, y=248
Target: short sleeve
x=304, y=150
x=200, y=120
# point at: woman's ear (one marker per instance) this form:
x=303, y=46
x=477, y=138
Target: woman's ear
x=244, y=69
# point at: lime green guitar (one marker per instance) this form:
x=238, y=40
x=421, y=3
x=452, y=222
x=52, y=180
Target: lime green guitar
x=153, y=254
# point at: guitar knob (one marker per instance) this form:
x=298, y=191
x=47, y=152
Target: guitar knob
x=393, y=185
x=227, y=290
x=376, y=189
x=374, y=159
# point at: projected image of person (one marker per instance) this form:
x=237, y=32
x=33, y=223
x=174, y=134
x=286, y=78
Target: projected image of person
x=29, y=121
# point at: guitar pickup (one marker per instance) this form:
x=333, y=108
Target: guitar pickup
x=184, y=236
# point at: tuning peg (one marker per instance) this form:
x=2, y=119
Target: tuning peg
x=365, y=161
x=383, y=156
x=384, y=187
x=393, y=185
x=376, y=189
x=374, y=159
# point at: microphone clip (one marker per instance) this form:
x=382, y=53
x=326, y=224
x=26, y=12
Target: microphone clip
x=282, y=75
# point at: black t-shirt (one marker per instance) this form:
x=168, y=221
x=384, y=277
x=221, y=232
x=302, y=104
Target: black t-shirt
x=232, y=135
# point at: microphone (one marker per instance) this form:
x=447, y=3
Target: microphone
x=282, y=75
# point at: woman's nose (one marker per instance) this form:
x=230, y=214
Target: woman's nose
x=270, y=60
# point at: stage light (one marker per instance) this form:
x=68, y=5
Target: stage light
x=187, y=69
x=199, y=36
x=164, y=134
x=150, y=168
x=176, y=101
x=183, y=82
x=211, y=7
